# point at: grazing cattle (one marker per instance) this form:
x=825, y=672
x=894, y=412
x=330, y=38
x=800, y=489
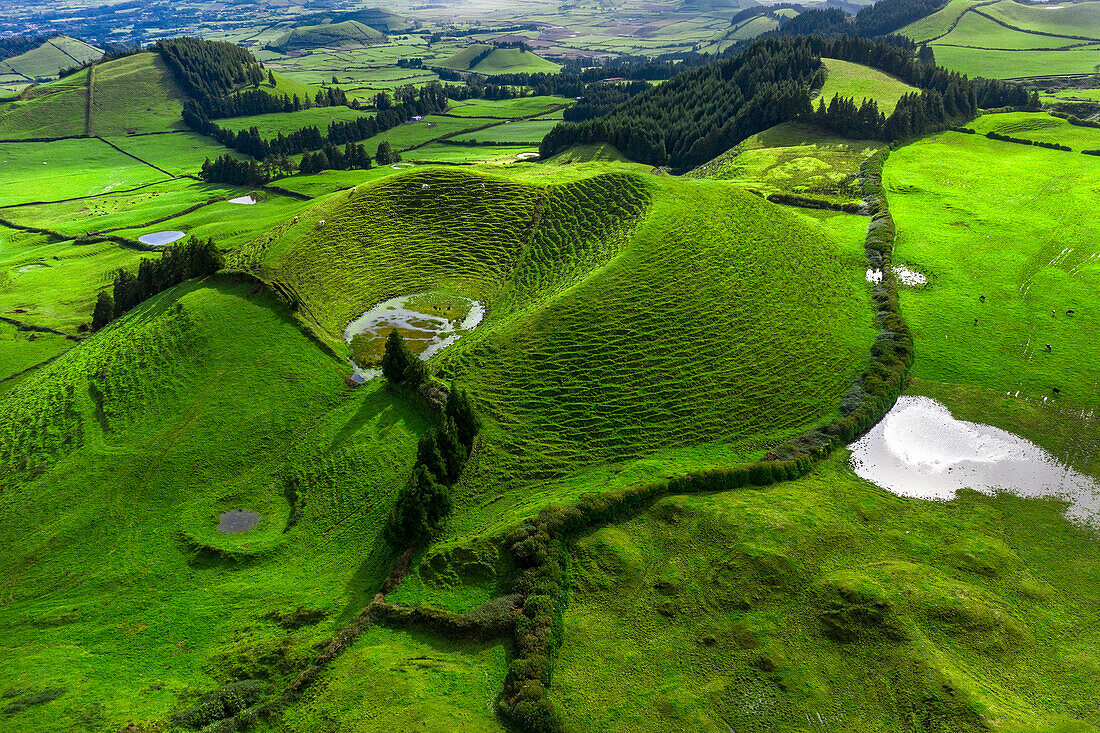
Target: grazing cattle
x=981, y=298
x=1069, y=313
x=295, y=220
x=1055, y=390
x=321, y=224
x=1048, y=347
x=975, y=321
x=1053, y=313
x=423, y=186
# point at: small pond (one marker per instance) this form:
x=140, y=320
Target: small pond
x=236, y=521
x=246, y=200
x=159, y=239
x=429, y=322
x=919, y=450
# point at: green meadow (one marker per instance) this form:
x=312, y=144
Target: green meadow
x=1040, y=127
x=859, y=82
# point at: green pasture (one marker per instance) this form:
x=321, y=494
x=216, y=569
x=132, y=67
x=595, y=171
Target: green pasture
x=412, y=134
x=55, y=109
x=1041, y=127
x=527, y=131
x=116, y=210
x=794, y=159
x=409, y=679
x=1015, y=64
x=506, y=108
x=1067, y=19
x=1071, y=94
x=332, y=35
x=981, y=32
x=136, y=94
x=446, y=153
x=859, y=82
x=828, y=603
x=208, y=397
x=59, y=280
x=179, y=153
x=1003, y=220
x=66, y=169
x=20, y=350
x=939, y=23
x=271, y=124
x=61, y=52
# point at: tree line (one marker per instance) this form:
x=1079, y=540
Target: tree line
x=425, y=501
x=193, y=258
x=411, y=102
x=701, y=113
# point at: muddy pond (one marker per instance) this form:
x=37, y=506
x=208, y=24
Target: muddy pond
x=236, y=521
x=919, y=450
x=429, y=323
x=159, y=239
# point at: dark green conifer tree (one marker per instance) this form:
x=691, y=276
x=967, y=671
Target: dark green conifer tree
x=104, y=310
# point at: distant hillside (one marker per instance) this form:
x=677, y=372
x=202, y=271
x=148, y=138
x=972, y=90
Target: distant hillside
x=709, y=6
x=380, y=19
x=54, y=54
x=487, y=59
x=333, y=35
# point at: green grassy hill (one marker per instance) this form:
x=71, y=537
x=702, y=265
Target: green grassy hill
x=207, y=398
x=1007, y=39
x=500, y=61
x=495, y=244
x=60, y=52
x=335, y=35
x=134, y=94
x=859, y=82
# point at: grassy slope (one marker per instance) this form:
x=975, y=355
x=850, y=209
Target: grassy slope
x=794, y=159
x=67, y=168
x=938, y=23
x=45, y=61
x=981, y=32
x=500, y=61
x=671, y=366
x=708, y=613
x=1015, y=64
x=204, y=399
x=983, y=217
x=862, y=82
x=1069, y=19
x=270, y=125
x=333, y=35
x=136, y=94
x=55, y=109
x=1040, y=127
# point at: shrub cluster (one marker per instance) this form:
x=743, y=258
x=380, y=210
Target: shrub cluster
x=489, y=621
x=193, y=258
x=425, y=501
x=222, y=703
x=1008, y=139
x=1075, y=120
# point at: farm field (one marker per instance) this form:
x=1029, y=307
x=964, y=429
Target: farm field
x=67, y=169
x=506, y=109
x=1006, y=39
x=862, y=82
x=22, y=350
x=1040, y=127
x=447, y=153
x=270, y=125
x=54, y=109
x=529, y=131
x=136, y=94
x=982, y=217
x=60, y=52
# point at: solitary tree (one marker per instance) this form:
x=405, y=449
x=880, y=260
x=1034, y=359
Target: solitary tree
x=384, y=156
x=104, y=310
x=271, y=77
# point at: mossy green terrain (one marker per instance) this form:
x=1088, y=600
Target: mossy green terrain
x=499, y=61
x=829, y=603
x=796, y=160
x=212, y=369
x=333, y=35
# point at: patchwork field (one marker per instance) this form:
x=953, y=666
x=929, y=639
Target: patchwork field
x=1007, y=39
